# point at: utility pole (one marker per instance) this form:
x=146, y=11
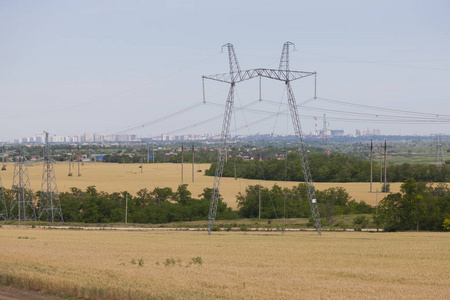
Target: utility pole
x=3, y=160
x=142, y=159
x=376, y=209
x=385, y=166
x=371, y=164
x=325, y=132
x=70, y=161
x=148, y=154
x=182, y=161
x=381, y=163
x=153, y=147
x=259, y=207
x=193, y=162
x=126, y=208
x=79, y=160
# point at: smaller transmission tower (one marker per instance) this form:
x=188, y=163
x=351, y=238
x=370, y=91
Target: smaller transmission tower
x=22, y=204
x=439, y=160
x=49, y=204
x=3, y=208
x=3, y=160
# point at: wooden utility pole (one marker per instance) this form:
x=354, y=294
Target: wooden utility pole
x=70, y=161
x=381, y=163
x=182, y=161
x=385, y=166
x=126, y=208
x=193, y=162
x=153, y=146
x=259, y=210
x=79, y=160
x=371, y=164
x=142, y=159
x=3, y=160
x=148, y=154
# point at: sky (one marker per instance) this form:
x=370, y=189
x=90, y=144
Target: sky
x=70, y=67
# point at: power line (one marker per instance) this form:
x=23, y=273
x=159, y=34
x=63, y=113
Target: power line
x=378, y=108
x=384, y=63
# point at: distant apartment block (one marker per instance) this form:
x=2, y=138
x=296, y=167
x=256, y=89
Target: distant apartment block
x=367, y=132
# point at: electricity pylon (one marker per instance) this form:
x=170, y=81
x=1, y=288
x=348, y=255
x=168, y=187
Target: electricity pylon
x=49, y=203
x=22, y=204
x=3, y=208
x=439, y=160
x=235, y=76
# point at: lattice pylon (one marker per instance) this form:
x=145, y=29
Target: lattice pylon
x=49, y=202
x=439, y=160
x=3, y=208
x=282, y=74
x=22, y=205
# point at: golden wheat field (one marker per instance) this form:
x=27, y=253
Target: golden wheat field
x=128, y=177
x=114, y=264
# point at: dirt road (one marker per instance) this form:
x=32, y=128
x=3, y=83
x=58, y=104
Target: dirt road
x=11, y=293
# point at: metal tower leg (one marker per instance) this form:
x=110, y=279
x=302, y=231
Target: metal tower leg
x=304, y=159
x=221, y=158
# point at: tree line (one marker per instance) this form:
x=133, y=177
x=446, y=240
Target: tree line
x=328, y=168
x=419, y=206
x=276, y=202
x=162, y=205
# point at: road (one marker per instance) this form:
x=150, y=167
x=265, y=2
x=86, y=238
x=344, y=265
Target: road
x=11, y=293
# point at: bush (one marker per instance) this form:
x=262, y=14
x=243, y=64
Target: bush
x=360, y=222
x=446, y=224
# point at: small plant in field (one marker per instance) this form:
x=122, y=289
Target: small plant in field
x=133, y=261
x=169, y=262
x=25, y=238
x=197, y=260
x=141, y=262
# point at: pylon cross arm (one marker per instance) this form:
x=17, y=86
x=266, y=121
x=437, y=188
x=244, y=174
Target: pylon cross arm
x=281, y=75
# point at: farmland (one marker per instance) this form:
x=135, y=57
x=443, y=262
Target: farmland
x=230, y=265
x=128, y=177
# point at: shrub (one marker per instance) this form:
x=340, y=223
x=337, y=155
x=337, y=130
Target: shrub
x=360, y=222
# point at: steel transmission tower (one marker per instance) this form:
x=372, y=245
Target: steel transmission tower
x=49, y=203
x=3, y=208
x=236, y=75
x=22, y=204
x=439, y=160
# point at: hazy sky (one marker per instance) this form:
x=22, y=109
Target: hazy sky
x=69, y=67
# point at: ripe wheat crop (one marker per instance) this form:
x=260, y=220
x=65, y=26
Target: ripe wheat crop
x=128, y=177
x=230, y=265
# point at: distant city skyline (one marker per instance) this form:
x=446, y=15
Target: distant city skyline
x=109, y=67
x=114, y=138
